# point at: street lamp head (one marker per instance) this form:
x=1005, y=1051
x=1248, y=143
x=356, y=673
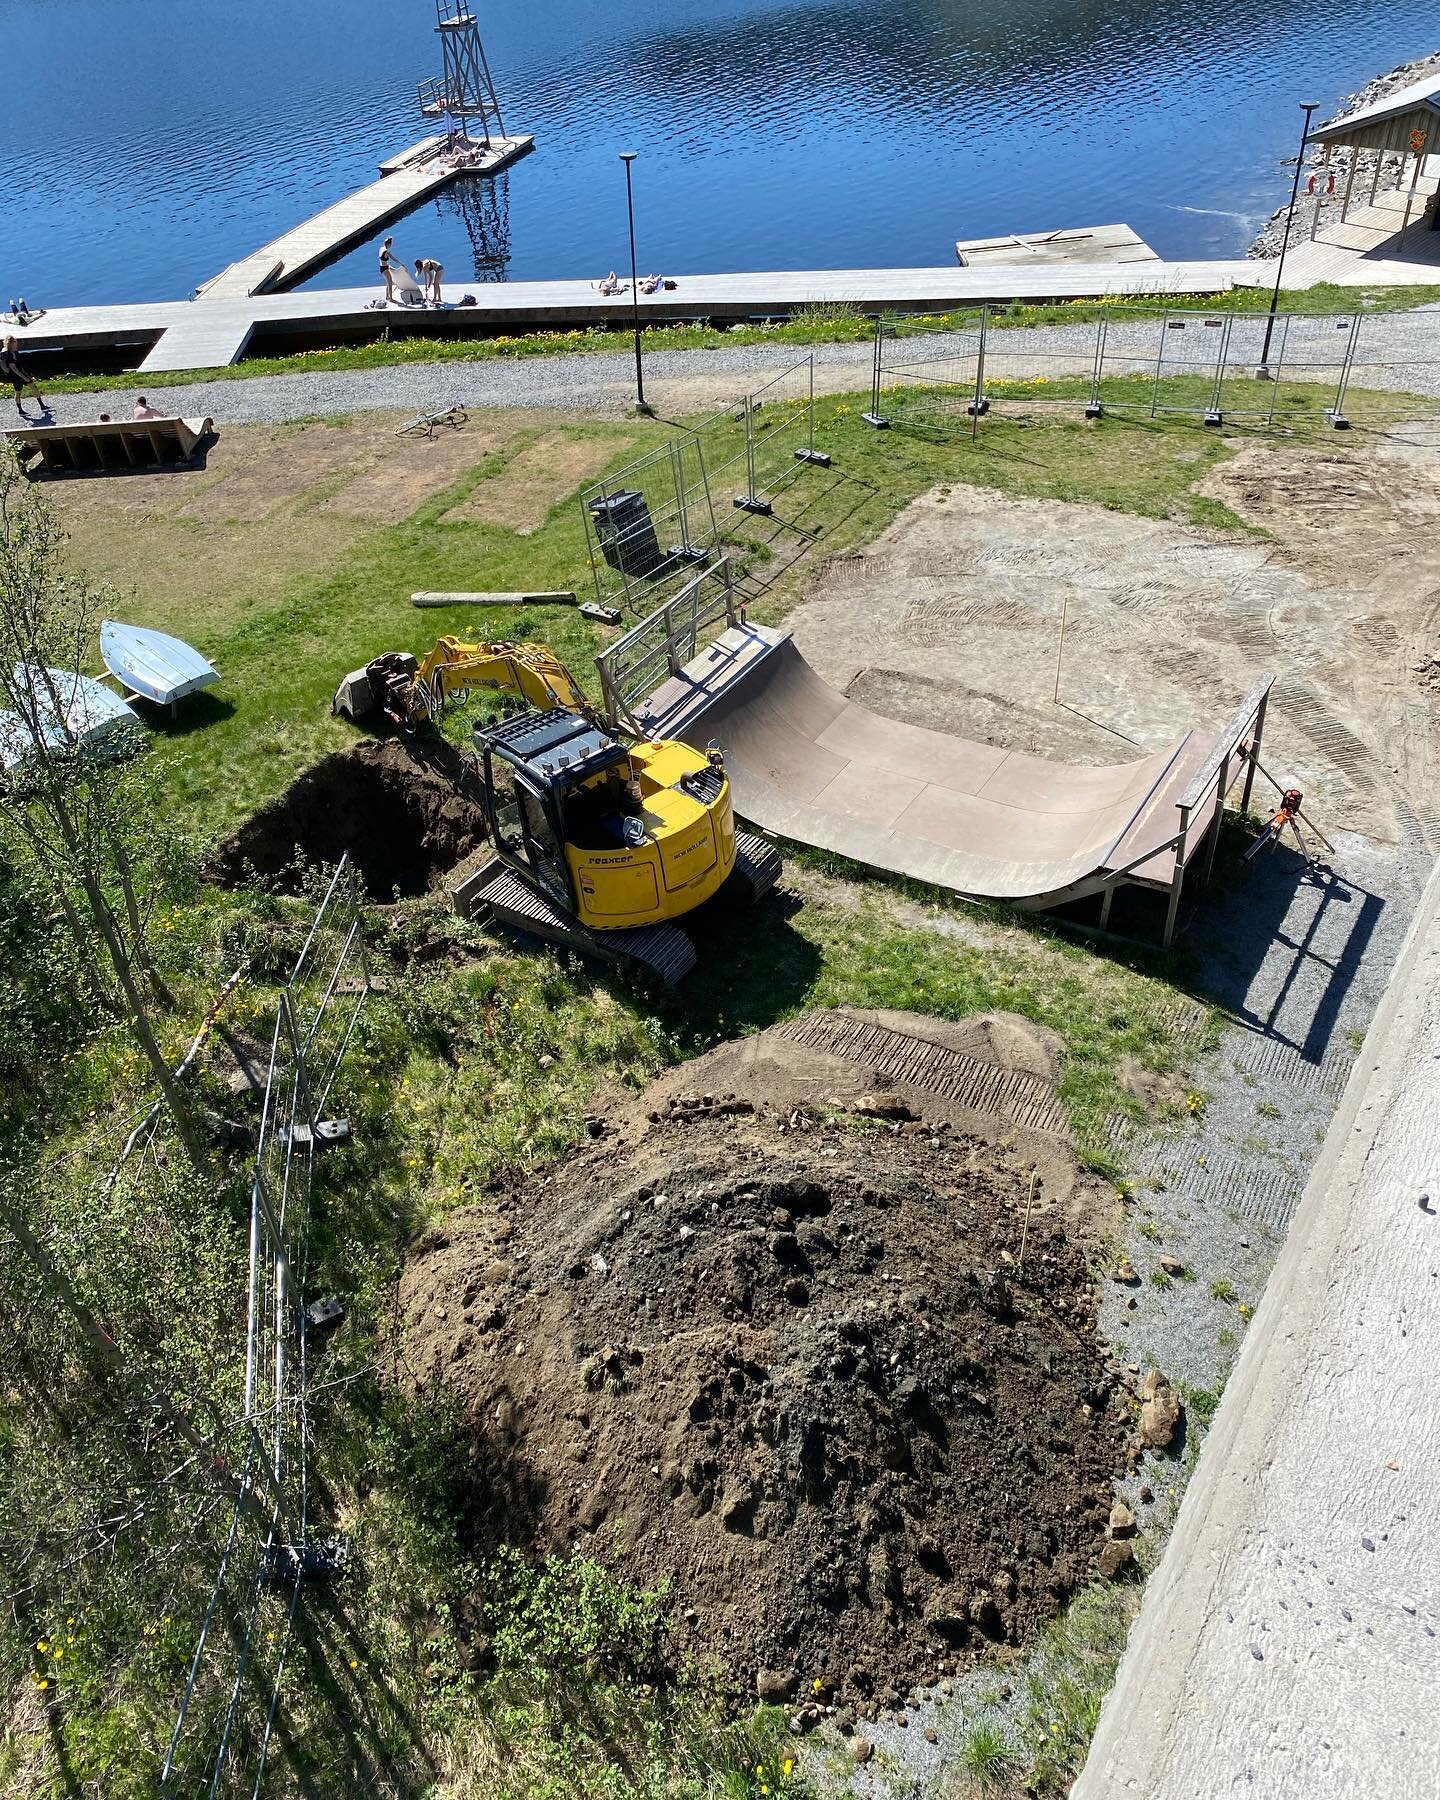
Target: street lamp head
x=628, y=156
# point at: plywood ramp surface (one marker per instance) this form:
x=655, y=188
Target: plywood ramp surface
x=808, y=763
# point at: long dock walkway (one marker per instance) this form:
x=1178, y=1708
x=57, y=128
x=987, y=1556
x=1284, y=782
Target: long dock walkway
x=405, y=181
x=212, y=332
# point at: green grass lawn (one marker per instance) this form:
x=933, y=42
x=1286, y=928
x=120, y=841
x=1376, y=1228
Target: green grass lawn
x=283, y=640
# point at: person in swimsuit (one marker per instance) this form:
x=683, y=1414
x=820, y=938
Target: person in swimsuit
x=144, y=410
x=430, y=273
x=387, y=260
x=19, y=377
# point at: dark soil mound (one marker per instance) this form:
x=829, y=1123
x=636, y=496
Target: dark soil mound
x=400, y=808
x=790, y=1365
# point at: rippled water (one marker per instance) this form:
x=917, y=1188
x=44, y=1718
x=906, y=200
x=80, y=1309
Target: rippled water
x=147, y=143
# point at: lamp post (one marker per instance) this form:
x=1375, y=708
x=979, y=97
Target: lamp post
x=628, y=157
x=1307, y=107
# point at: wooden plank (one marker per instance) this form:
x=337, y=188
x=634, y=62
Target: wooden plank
x=555, y=597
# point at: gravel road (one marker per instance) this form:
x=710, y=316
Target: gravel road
x=1398, y=350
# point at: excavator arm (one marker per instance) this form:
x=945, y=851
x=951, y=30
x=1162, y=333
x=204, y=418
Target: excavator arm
x=532, y=672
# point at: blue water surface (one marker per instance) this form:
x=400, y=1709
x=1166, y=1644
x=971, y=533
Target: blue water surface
x=147, y=143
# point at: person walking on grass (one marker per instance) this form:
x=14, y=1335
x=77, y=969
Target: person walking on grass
x=387, y=268
x=19, y=377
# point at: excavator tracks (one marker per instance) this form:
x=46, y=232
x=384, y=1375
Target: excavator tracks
x=663, y=952
x=757, y=864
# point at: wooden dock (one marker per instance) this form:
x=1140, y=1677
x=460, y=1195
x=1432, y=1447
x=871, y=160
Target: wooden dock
x=405, y=180
x=211, y=333
x=1369, y=248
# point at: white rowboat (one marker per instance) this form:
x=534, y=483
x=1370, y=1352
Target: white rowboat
x=153, y=664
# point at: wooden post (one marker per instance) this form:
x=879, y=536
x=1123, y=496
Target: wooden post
x=1025, y=1228
x=1178, y=879
x=1214, y=843
x=1410, y=197
x=1255, y=743
x=1349, y=183
x=1105, y=906
x=1375, y=184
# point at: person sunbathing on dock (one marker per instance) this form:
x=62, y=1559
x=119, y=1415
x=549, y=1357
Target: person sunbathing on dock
x=652, y=284
x=610, y=285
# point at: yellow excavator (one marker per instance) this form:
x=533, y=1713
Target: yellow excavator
x=600, y=842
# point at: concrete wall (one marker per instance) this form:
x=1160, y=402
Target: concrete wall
x=1288, y=1643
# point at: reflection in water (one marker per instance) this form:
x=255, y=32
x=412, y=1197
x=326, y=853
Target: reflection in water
x=482, y=206
x=771, y=133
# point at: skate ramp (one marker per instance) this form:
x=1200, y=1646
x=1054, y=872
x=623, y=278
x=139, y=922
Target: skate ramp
x=810, y=765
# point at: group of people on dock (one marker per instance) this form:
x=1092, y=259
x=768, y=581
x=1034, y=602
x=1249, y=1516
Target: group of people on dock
x=611, y=285
x=401, y=286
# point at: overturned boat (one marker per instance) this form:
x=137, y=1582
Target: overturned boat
x=152, y=665
x=68, y=708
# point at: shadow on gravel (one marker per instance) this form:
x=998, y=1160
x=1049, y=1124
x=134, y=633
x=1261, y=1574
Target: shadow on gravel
x=1280, y=944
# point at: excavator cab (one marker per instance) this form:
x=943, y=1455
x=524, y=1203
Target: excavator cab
x=552, y=779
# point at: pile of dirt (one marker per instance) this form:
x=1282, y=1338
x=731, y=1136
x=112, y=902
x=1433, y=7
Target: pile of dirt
x=786, y=1358
x=404, y=809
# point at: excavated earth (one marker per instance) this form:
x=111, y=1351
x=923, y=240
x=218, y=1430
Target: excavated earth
x=781, y=1352
x=402, y=808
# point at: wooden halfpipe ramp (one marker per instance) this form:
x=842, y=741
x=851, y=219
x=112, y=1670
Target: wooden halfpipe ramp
x=810, y=765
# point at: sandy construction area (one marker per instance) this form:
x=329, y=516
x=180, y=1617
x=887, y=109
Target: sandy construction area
x=952, y=619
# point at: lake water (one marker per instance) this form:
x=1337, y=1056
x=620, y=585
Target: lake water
x=147, y=143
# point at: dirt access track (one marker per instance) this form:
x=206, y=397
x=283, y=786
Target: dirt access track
x=951, y=621
x=771, y=1340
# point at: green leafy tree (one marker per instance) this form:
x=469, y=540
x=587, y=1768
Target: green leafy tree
x=72, y=819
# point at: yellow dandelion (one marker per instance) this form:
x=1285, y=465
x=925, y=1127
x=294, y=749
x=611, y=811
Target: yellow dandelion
x=788, y=1765
x=58, y=1653
x=42, y=1645
x=353, y=1663
x=43, y=1685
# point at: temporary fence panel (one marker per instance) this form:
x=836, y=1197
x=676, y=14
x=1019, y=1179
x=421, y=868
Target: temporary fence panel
x=1190, y=363
x=650, y=523
x=779, y=435
x=330, y=982
x=635, y=665
x=1393, y=359
x=227, y=1714
x=928, y=374
x=1050, y=368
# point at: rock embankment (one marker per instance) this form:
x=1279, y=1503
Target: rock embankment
x=1393, y=171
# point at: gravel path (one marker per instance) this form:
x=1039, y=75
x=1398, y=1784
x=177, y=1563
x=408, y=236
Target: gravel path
x=1400, y=350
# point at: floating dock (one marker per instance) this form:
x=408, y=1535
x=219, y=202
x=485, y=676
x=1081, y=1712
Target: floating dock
x=405, y=181
x=1089, y=244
